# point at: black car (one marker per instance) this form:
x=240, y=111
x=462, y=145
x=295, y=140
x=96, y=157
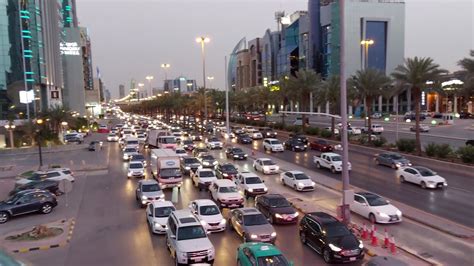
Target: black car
x=412, y=116
x=299, y=137
x=94, y=144
x=268, y=132
x=276, y=208
x=189, y=164
x=188, y=145
x=295, y=145
x=226, y=171
x=465, y=115
x=244, y=139
x=330, y=238
x=48, y=185
x=27, y=201
x=200, y=150
x=72, y=139
x=235, y=153
x=207, y=161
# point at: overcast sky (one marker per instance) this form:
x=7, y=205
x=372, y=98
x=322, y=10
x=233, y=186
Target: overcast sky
x=132, y=38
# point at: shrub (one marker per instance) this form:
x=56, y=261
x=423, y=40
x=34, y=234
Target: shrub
x=314, y=131
x=406, y=145
x=466, y=154
x=279, y=126
x=379, y=142
x=326, y=133
x=430, y=149
x=362, y=139
x=443, y=150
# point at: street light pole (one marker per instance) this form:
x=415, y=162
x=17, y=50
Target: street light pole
x=165, y=66
x=366, y=44
x=149, y=78
x=210, y=81
x=227, y=122
x=38, y=139
x=10, y=127
x=203, y=40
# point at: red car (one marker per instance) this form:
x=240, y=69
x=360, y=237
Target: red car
x=321, y=145
x=103, y=129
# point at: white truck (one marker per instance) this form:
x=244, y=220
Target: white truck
x=331, y=161
x=160, y=138
x=165, y=167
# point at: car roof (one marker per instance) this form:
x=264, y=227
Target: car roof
x=295, y=172
x=262, y=249
x=248, y=174
x=160, y=203
x=185, y=217
x=271, y=139
x=148, y=182
x=224, y=182
x=273, y=196
x=249, y=210
x=331, y=154
x=204, y=202
x=264, y=159
x=29, y=191
x=323, y=217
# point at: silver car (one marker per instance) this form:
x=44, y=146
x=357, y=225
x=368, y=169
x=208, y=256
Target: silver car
x=392, y=159
x=148, y=191
x=251, y=225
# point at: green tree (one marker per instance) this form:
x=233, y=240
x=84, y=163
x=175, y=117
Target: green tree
x=330, y=92
x=415, y=72
x=467, y=64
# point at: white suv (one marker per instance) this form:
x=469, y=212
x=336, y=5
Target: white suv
x=251, y=184
x=266, y=166
x=272, y=145
x=203, y=178
x=187, y=240
x=157, y=214
x=225, y=193
x=56, y=174
x=254, y=133
x=209, y=214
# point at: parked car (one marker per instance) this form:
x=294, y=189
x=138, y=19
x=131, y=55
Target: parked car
x=276, y=208
x=268, y=132
x=376, y=115
x=297, y=180
x=157, y=213
x=235, y=153
x=392, y=159
x=251, y=184
x=225, y=193
x=272, y=145
x=251, y=225
x=295, y=145
x=250, y=254
x=187, y=240
x=423, y=128
x=27, y=201
x=422, y=176
x=203, y=178
x=244, y=139
x=208, y=214
x=56, y=174
x=321, y=145
x=189, y=164
x=331, y=238
x=266, y=166
x=48, y=185
x=148, y=190
x=226, y=171
x=375, y=208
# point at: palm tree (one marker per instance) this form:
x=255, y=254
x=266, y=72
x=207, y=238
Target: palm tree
x=369, y=84
x=467, y=64
x=415, y=72
x=330, y=92
x=305, y=83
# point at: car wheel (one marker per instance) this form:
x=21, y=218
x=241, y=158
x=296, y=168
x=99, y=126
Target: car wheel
x=327, y=256
x=333, y=170
x=303, y=238
x=318, y=165
x=423, y=184
x=4, y=216
x=46, y=208
x=402, y=179
x=372, y=218
x=255, y=167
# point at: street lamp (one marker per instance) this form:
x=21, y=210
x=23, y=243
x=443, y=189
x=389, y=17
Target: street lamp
x=10, y=127
x=150, y=78
x=140, y=85
x=38, y=139
x=203, y=40
x=165, y=67
x=366, y=43
x=210, y=81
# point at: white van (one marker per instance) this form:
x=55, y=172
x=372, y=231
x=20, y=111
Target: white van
x=131, y=142
x=167, y=142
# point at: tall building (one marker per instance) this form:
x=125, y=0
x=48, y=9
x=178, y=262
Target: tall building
x=121, y=91
x=107, y=95
x=181, y=84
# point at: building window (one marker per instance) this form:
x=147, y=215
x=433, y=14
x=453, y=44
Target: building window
x=377, y=31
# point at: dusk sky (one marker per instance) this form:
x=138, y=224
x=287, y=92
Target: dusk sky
x=132, y=38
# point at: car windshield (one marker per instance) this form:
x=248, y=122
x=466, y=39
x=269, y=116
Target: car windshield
x=191, y=232
x=237, y=150
x=138, y=157
x=228, y=189
x=37, y=177
x=245, y=136
x=150, y=188
x=425, y=171
x=187, y=142
x=168, y=140
x=209, y=210
x=190, y=160
x=279, y=202
x=337, y=230
x=13, y=198
x=254, y=219
x=207, y=157
x=396, y=156
x=375, y=200
x=130, y=150
x=170, y=172
x=136, y=166
x=228, y=168
x=268, y=162
x=274, y=260
x=274, y=142
x=301, y=176
x=206, y=174
x=132, y=142
x=180, y=151
x=164, y=211
x=112, y=135
x=213, y=139
x=253, y=180
x=336, y=158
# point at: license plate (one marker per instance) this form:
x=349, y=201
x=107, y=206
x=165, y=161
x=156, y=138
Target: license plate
x=352, y=258
x=198, y=259
x=233, y=205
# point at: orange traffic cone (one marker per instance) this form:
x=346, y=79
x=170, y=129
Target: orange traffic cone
x=365, y=234
x=393, y=247
x=374, y=241
x=386, y=240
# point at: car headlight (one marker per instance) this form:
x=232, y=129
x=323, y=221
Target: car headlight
x=253, y=236
x=313, y=184
x=300, y=184
x=236, y=156
x=245, y=155
x=277, y=215
x=224, y=174
x=382, y=214
x=274, y=234
x=296, y=214
x=250, y=189
x=162, y=196
x=277, y=167
x=223, y=221
x=334, y=248
x=204, y=223
x=399, y=213
x=144, y=197
x=361, y=245
x=214, y=163
x=265, y=189
x=187, y=168
x=205, y=163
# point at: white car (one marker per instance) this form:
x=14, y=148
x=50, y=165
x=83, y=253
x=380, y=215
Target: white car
x=376, y=129
x=273, y=145
x=251, y=184
x=226, y=194
x=209, y=215
x=376, y=208
x=254, y=133
x=336, y=130
x=331, y=161
x=56, y=174
x=214, y=143
x=157, y=214
x=297, y=180
x=112, y=137
x=246, y=129
x=423, y=128
x=202, y=178
x=141, y=138
x=354, y=131
x=266, y=166
x=181, y=152
x=136, y=169
x=421, y=176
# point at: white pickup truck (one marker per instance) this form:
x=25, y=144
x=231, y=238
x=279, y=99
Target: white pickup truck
x=331, y=161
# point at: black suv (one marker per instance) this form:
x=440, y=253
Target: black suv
x=226, y=171
x=299, y=137
x=27, y=201
x=244, y=139
x=235, y=153
x=267, y=132
x=295, y=145
x=189, y=164
x=331, y=238
x=276, y=208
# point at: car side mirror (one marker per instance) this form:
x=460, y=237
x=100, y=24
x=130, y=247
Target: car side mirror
x=263, y=181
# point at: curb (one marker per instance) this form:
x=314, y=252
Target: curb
x=62, y=244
